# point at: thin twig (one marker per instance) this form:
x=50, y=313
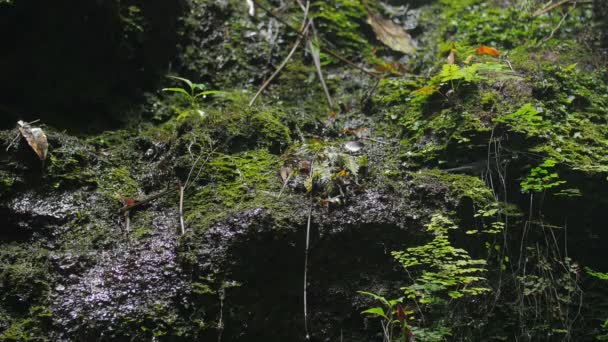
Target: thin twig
x=551, y=7
x=317, y=60
x=306, y=259
x=13, y=141
x=306, y=269
x=510, y=66
x=127, y=220
x=144, y=201
x=322, y=48
x=301, y=35
x=220, y=324
x=181, y=208
x=201, y=167
x=315, y=55
x=564, y=16
x=284, y=185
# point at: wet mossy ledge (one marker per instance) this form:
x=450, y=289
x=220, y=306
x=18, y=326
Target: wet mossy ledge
x=506, y=152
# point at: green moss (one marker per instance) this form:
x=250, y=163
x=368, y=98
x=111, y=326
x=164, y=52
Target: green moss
x=117, y=183
x=233, y=121
x=70, y=163
x=30, y=328
x=571, y=128
x=6, y=182
x=24, y=292
x=141, y=224
x=270, y=129
x=234, y=183
x=23, y=274
x=342, y=22
x=459, y=186
x=237, y=175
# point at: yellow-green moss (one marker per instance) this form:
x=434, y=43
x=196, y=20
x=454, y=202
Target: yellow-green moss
x=117, y=183
x=238, y=181
x=459, y=186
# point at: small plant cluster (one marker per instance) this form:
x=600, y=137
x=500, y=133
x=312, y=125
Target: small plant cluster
x=542, y=178
x=193, y=94
x=440, y=274
x=329, y=172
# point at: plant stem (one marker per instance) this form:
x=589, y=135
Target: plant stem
x=181, y=208
x=306, y=267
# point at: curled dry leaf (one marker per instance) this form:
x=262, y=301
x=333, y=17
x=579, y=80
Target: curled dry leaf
x=304, y=167
x=400, y=313
x=391, y=34
x=285, y=173
x=35, y=137
x=452, y=55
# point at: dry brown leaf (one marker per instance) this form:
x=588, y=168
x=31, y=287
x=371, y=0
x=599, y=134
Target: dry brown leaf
x=35, y=138
x=452, y=55
x=391, y=34
x=285, y=173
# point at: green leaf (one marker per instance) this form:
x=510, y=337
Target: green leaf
x=377, y=311
x=450, y=72
x=375, y=296
x=209, y=92
x=455, y=294
x=177, y=90
x=185, y=80
x=598, y=275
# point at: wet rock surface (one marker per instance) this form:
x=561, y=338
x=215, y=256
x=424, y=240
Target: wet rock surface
x=125, y=282
x=349, y=248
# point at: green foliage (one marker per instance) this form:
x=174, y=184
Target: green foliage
x=577, y=133
x=489, y=212
x=477, y=72
x=596, y=274
x=393, y=322
x=441, y=274
x=542, y=178
x=525, y=120
x=333, y=168
x=192, y=94
x=549, y=287
x=474, y=22
x=603, y=335
x=446, y=270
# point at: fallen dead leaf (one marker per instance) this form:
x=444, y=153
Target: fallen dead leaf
x=35, y=137
x=452, y=55
x=391, y=34
x=285, y=173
